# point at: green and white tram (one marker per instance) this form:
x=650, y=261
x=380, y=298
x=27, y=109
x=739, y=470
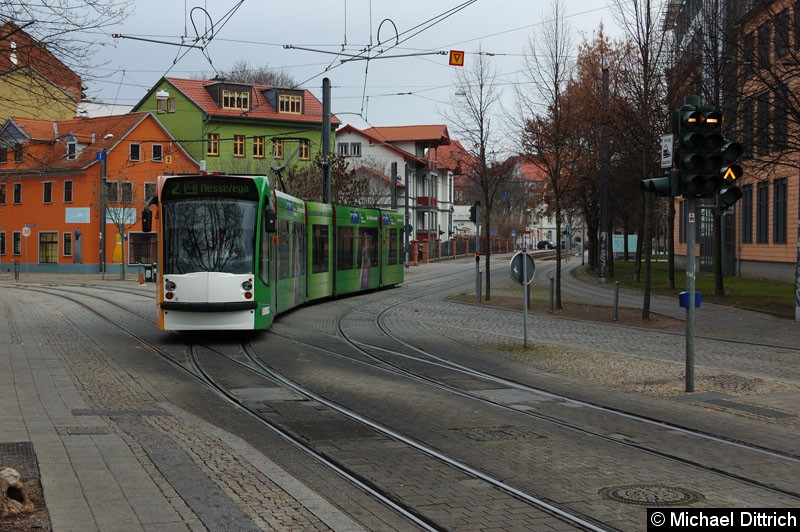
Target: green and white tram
x=233, y=253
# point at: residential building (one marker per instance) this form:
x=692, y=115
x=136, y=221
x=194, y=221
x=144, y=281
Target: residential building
x=239, y=127
x=760, y=232
x=414, y=149
x=52, y=194
x=33, y=82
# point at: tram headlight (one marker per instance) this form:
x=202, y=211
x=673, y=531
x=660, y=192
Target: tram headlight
x=170, y=286
x=247, y=286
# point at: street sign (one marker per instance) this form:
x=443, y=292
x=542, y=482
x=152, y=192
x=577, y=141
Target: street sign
x=517, y=267
x=457, y=58
x=26, y=232
x=667, y=142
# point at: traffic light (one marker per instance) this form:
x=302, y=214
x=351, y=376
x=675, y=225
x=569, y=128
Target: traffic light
x=473, y=212
x=665, y=185
x=731, y=172
x=700, y=142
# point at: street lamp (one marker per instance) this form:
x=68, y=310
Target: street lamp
x=103, y=191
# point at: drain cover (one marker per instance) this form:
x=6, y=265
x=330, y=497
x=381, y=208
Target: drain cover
x=651, y=495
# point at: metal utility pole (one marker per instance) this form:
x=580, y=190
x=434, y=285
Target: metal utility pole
x=103, y=198
x=407, y=228
x=603, y=254
x=691, y=230
x=326, y=140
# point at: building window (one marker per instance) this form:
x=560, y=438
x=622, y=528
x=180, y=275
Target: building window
x=2, y=194
x=277, y=148
x=355, y=149
x=17, y=152
x=762, y=213
x=143, y=248
x=67, y=191
x=149, y=191
x=779, y=211
x=747, y=214
x=343, y=149
x=16, y=243
x=157, y=152
x=72, y=151
x=135, y=152
x=48, y=248
x=747, y=127
x=47, y=196
x=764, y=44
x=780, y=123
x=17, y=193
x=112, y=191
x=236, y=100
x=290, y=103
x=166, y=105
x=126, y=189
x=748, y=54
x=3, y=154
x=797, y=24
x=67, y=244
x=2, y=242
x=258, y=147
x=238, y=145
x=213, y=144
x=763, y=139
x=305, y=149
x=781, y=34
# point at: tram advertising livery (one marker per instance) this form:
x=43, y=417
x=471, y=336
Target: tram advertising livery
x=234, y=254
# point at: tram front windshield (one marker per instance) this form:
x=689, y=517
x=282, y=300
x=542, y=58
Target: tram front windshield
x=209, y=233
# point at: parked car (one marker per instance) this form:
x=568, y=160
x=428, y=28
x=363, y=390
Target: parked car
x=545, y=244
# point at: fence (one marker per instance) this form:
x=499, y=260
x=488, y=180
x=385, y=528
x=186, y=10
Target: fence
x=423, y=252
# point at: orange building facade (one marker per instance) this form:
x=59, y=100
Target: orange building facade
x=768, y=68
x=758, y=87
x=51, y=193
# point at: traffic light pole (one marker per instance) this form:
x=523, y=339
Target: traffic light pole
x=691, y=231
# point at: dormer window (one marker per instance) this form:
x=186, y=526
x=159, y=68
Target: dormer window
x=290, y=103
x=236, y=100
x=72, y=150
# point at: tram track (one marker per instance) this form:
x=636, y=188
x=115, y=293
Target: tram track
x=195, y=368
x=425, y=357
x=391, y=358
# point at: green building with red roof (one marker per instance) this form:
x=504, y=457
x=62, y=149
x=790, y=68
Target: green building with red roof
x=237, y=127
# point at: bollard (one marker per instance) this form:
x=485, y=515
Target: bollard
x=552, y=294
x=616, y=300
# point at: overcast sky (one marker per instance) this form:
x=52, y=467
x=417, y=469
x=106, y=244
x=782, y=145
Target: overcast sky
x=381, y=92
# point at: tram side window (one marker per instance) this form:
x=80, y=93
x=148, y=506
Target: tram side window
x=298, y=249
x=344, y=257
x=266, y=238
x=319, y=249
x=283, y=250
x=368, y=248
x=394, y=247
x=291, y=249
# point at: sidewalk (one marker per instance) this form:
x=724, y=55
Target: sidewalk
x=112, y=454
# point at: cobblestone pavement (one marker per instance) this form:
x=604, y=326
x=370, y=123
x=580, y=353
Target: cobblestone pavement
x=759, y=367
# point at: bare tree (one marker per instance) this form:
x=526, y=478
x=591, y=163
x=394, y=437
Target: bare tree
x=645, y=72
x=67, y=29
x=243, y=72
x=121, y=207
x=547, y=116
x=471, y=109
